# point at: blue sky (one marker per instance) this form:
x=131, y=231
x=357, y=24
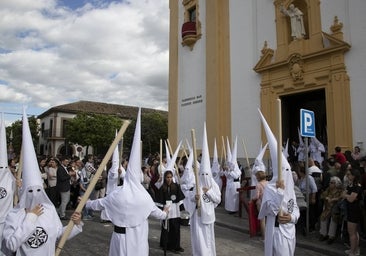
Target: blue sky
x=57, y=52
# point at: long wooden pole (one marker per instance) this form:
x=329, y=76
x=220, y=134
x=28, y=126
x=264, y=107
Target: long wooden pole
x=195, y=167
x=279, y=140
x=91, y=186
x=246, y=153
x=18, y=178
x=184, y=151
x=160, y=168
x=223, y=146
x=181, y=153
x=279, y=145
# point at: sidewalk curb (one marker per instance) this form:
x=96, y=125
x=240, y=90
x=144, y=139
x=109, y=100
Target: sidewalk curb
x=309, y=245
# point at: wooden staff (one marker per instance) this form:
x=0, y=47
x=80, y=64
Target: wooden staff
x=223, y=147
x=279, y=141
x=279, y=146
x=188, y=147
x=246, y=153
x=196, y=170
x=175, y=165
x=161, y=158
x=91, y=186
x=181, y=155
x=184, y=151
x=18, y=178
x=187, y=143
x=221, y=155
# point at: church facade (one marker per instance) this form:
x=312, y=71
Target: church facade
x=229, y=58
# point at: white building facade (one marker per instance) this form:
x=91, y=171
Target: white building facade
x=230, y=57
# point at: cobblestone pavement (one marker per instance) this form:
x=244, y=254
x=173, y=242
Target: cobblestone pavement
x=94, y=241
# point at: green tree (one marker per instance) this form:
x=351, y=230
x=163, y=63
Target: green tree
x=16, y=129
x=154, y=126
x=93, y=130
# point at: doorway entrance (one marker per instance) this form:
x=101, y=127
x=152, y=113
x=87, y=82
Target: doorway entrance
x=310, y=100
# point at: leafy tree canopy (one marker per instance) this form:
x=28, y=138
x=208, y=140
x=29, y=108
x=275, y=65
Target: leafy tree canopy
x=16, y=130
x=154, y=126
x=93, y=130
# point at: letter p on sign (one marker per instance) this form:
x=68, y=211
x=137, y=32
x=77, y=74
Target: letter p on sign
x=307, y=123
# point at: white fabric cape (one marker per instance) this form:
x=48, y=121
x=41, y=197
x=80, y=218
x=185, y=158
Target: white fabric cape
x=27, y=234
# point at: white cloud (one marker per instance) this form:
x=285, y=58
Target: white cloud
x=51, y=55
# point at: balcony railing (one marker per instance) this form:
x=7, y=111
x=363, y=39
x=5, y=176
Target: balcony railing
x=189, y=33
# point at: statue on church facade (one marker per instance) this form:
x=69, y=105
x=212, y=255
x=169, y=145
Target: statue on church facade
x=296, y=19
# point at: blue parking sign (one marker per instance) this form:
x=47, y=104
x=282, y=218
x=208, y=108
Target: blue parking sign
x=307, y=123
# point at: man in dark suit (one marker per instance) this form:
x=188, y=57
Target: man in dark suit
x=63, y=186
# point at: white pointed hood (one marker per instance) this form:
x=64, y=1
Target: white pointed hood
x=187, y=178
x=167, y=153
x=171, y=163
x=257, y=166
x=215, y=163
x=112, y=181
x=287, y=204
x=7, y=180
x=206, y=181
x=3, y=147
x=205, y=175
x=131, y=205
x=215, y=156
x=134, y=174
x=258, y=163
x=228, y=150
x=272, y=143
x=234, y=157
x=32, y=184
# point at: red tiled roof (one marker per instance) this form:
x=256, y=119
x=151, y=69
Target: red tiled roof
x=125, y=112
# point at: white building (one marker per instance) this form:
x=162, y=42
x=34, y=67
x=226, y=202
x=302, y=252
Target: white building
x=230, y=57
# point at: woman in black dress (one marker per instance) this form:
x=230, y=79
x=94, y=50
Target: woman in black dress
x=353, y=197
x=171, y=194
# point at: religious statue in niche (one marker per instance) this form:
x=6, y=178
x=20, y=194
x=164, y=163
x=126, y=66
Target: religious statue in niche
x=296, y=20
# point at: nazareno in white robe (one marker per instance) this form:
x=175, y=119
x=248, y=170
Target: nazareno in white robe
x=281, y=240
x=231, y=193
x=202, y=227
x=129, y=206
x=29, y=234
x=135, y=241
x=7, y=190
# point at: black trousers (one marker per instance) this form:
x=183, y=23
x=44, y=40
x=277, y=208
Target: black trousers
x=170, y=239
